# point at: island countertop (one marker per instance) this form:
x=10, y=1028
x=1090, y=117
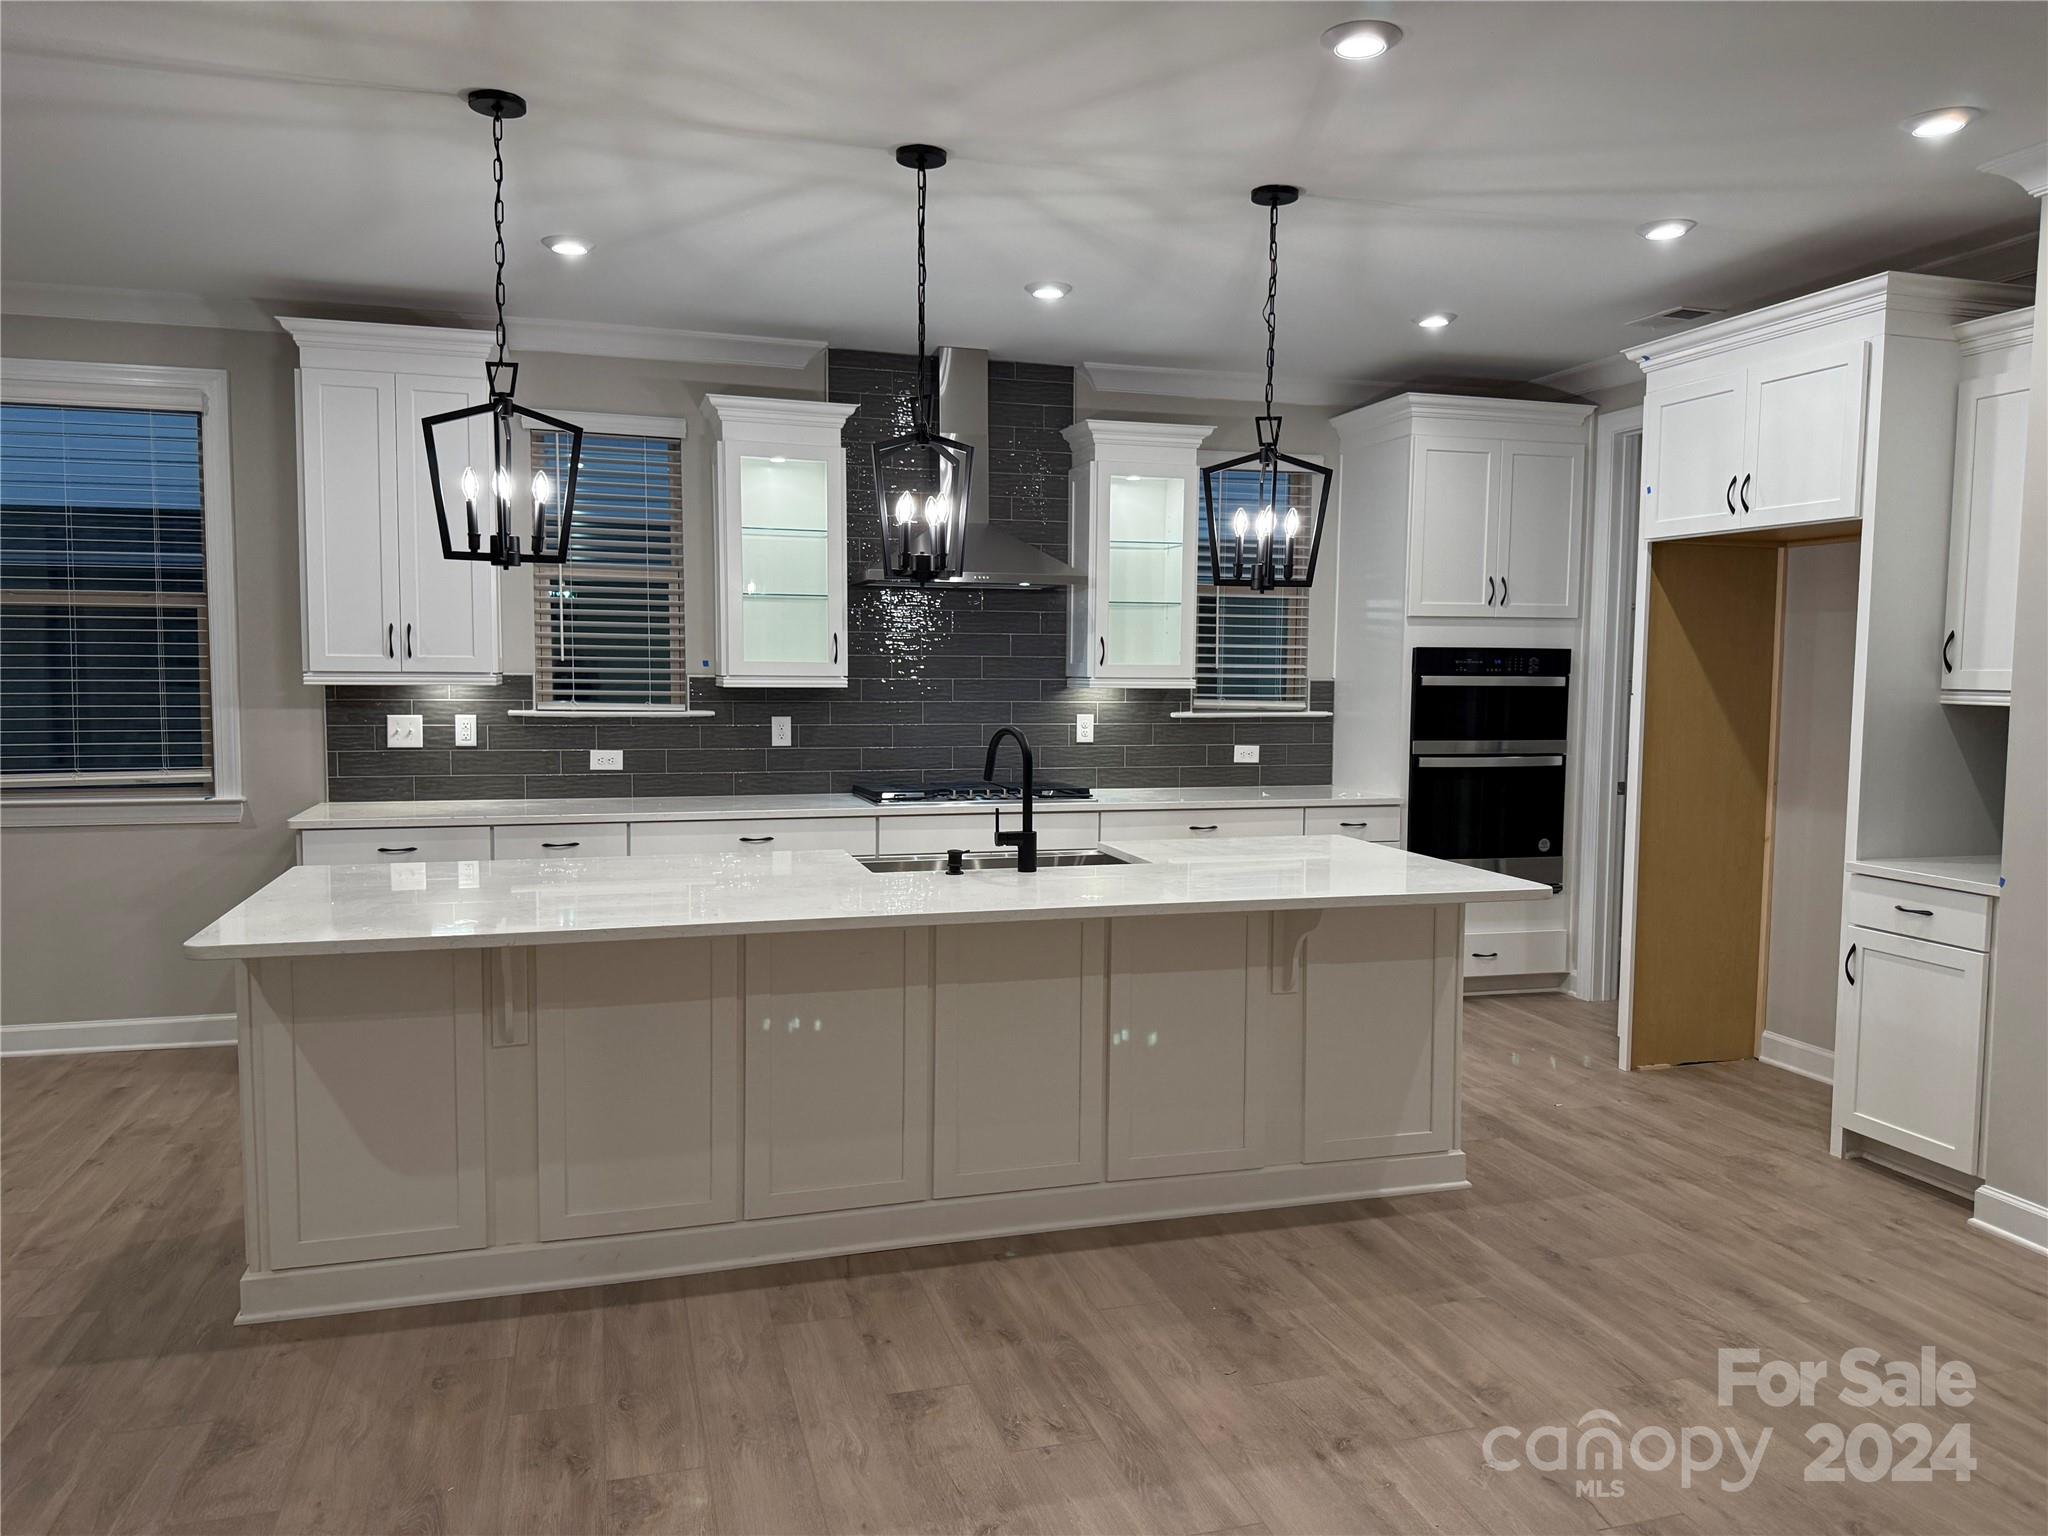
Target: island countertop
x=499, y=903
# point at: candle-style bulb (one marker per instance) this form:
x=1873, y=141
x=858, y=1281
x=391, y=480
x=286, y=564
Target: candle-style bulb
x=1240, y=522
x=1265, y=524
x=939, y=511
x=470, y=484
x=501, y=484
x=544, y=488
x=906, y=509
x=1291, y=523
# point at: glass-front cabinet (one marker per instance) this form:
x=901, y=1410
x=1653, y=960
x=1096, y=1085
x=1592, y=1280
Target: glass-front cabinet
x=780, y=539
x=1134, y=489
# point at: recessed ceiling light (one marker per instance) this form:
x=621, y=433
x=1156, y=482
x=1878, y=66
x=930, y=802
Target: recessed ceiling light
x=1666, y=229
x=1940, y=125
x=1437, y=321
x=1051, y=293
x=1361, y=39
x=567, y=245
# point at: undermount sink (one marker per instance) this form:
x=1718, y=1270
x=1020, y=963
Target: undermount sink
x=999, y=858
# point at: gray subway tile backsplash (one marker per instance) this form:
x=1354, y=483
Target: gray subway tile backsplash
x=931, y=674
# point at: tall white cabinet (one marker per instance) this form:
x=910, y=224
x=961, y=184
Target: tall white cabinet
x=379, y=599
x=1134, y=490
x=1984, y=519
x=779, y=535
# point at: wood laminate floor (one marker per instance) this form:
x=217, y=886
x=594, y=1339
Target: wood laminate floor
x=1322, y=1370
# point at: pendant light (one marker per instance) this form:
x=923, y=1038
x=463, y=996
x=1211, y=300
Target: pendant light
x=1271, y=539
x=923, y=479
x=500, y=505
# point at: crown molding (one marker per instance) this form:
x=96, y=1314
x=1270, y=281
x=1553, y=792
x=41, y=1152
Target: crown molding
x=1095, y=434
x=1995, y=333
x=137, y=306
x=353, y=343
x=1217, y=384
x=1595, y=375
x=1400, y=413
x=2028, y=167
x=770, y=415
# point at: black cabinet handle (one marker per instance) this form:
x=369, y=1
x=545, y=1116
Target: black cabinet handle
x=1503, y=591
x=408, y=639
x=1745, y=493
x=1845, y=965
x=1489, y=591
x=1354, y=824
x=766, y=838
x=561, y=845
x=1946, y=646
x=835, y=647
x=1102, y=651
x=1204, y=827
x=413, y=848
x=391, y=640
x=1913, y=911
x=1731, y=495
x=1491, y=954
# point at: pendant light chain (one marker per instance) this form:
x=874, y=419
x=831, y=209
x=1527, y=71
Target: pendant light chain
x=498, y=218
x=1272, y=311
x=923, y=405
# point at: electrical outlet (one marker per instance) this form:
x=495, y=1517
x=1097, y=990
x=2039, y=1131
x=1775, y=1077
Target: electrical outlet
x=778, y=731
x=602, y=761
x=1084, y=728
x=465, y=730
x=1244, y=754
x=404, y=731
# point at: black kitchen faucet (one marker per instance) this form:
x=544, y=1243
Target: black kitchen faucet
x=1025, y=841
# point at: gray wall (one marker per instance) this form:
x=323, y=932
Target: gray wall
x=2016, y=1111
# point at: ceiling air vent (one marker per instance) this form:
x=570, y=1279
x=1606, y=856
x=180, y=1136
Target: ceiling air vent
x=1679, y=314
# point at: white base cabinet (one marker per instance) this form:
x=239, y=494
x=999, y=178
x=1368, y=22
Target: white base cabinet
x=671, y=1105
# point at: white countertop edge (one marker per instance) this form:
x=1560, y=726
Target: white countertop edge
x=1973, y=874
x=336, y=815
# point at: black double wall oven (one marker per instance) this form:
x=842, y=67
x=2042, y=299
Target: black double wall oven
x=1486, y=764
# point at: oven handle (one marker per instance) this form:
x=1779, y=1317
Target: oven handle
x=1451, y=680
x=1503, y=760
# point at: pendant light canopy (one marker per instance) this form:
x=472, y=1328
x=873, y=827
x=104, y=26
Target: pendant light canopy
x=1269, y=539
x=500, y=504
x=923, y=479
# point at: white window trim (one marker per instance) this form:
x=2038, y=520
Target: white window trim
x=136, y=386
x=1204, y=459
x=613, y=423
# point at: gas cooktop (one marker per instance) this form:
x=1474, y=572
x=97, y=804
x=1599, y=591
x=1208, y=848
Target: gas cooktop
x=965, y=790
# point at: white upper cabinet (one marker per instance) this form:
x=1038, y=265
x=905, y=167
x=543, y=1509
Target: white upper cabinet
x=1984, y=527
x=1450, y=547
x=1135, y=490
x=379, y=597
x=1803, y=437
x=779, y=532
x=1692, y=456
x=1536, y=535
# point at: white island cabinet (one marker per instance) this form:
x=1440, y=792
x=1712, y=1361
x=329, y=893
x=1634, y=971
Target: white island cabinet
x=492, y=1076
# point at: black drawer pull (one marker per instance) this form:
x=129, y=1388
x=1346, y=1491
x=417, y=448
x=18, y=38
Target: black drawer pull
x=1731, y=495
x=1913, y=911
x=1491, y=954
x=561, y=845
x=1354, y=824
x=765, y=838
x=1205, y=827
x=414, y=848
x=1845, y=965
x=1946, y=646
x=1745, y=493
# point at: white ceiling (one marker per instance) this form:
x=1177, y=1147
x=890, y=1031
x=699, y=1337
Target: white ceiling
x=732, y=164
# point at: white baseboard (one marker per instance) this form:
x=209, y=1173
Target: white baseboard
x=1814, y=1061
x=2012, y=1218
x=170, y=1032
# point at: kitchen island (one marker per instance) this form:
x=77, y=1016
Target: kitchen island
x=475, y=1078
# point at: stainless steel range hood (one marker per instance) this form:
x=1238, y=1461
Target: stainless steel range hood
x=994, y=558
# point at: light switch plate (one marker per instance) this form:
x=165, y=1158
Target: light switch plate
x=465, y=730
x=1244, y=753
x=404, y=731
x=607, y=760
x=1084, y=728
x=778, y=731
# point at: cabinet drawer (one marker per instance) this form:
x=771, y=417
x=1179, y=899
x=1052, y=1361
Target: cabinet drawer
x=394, y=845
x=929, y=833
x=1253, y=821
x=1374, y=823
x=560, y=840
x=1515, y=952
x=1920, y=911
x=854, y=834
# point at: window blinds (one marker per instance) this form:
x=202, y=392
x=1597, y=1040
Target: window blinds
x=608, y=626
x=104, y=675
x=1251, y=648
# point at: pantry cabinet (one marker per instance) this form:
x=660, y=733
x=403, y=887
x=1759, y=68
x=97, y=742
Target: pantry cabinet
x=779, y=539
x=1134, y=489
x=1984, y=526
x=379, y=600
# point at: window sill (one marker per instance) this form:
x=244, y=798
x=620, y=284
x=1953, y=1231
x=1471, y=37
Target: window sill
x=613, y=714
x=1252, y=714
x=225, y=810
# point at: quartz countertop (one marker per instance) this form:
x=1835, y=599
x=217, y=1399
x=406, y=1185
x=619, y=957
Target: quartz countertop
x=334, y=814
x=496, y=903
x=1977, y=874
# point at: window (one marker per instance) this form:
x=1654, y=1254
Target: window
x=608, y=626
x=117, y=679
x=1251, y=648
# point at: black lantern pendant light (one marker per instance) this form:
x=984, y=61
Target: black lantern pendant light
x=1271, y=539
x=923, y=480
x=508, y=503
